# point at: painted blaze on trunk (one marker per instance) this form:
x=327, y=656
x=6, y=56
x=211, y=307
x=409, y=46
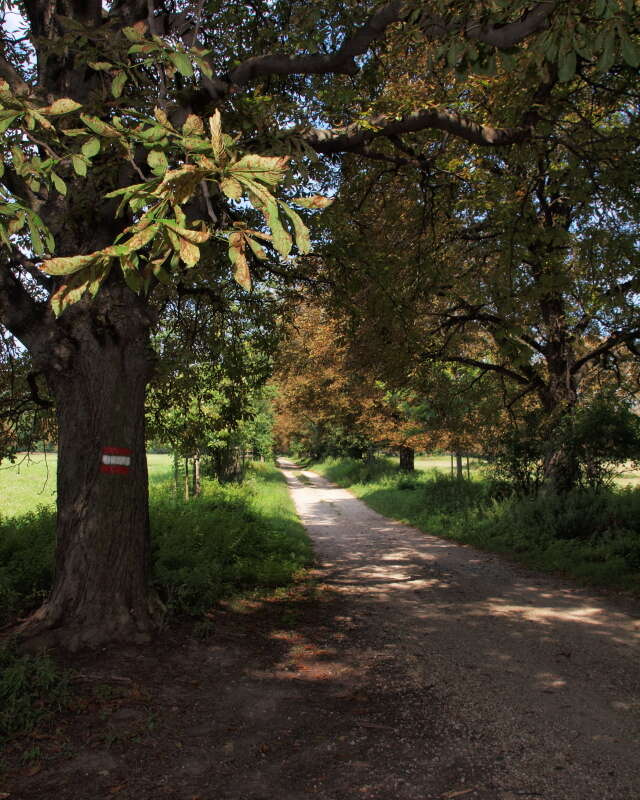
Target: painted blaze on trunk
x=100, y=590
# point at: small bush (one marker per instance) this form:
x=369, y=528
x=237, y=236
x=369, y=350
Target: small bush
x=26, y=562
x=31, y=688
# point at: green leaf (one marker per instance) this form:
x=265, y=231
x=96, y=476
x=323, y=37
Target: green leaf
x=131, y=274
x=133, y=34
x=303, y=240
x=99, y=127
x=79, y=164
x=60, y=185
x=91, y=147
x=262, y=199
x=7, y=122
x=34, y=230
x=157, y=160
x=117, y=84
x=182, y=63
x=630, y=52
x=258, y=249
x=62, y=106
x=567, y=66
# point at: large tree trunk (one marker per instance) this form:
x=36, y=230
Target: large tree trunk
x=561, y=470
x=100, y=590
x=407, y=459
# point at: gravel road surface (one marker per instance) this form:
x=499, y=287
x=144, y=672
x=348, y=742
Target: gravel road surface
x=534, y=684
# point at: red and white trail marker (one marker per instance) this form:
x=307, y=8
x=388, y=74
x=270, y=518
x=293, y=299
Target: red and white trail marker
x=115, y=460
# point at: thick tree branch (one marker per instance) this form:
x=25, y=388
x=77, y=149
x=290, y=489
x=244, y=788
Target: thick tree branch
x=19, y=312
x=343, y=60
x=613, y=341
x=13, y=77
x=355, y=137
x=484, y=365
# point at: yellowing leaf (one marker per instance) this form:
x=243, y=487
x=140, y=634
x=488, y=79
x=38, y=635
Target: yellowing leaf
x=98, y=126
x=189, y=252
x=140, y=239
x=268, y=169
x=315, y=201
x=117, y=85
x=67, y=265
x=231, y=187
x=62, y=106
x=258, y=249
x=157, y=160
x=239, y=260
x=196, y=237
x=217, y=140
x=192, y=126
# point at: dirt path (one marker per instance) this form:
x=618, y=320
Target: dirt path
x=416, y=670
x=535, y=686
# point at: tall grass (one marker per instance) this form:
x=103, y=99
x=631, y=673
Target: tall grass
x=593, y=536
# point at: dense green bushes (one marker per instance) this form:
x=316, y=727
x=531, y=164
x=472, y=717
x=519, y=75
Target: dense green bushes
x=233, y=537
x=591, y=534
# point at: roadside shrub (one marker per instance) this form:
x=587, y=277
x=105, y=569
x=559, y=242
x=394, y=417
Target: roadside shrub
x=233, y=537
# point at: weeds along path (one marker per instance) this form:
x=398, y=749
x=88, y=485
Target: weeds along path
x=523, y=687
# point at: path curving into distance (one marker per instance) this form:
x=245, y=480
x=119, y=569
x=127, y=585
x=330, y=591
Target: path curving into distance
x=526, y=687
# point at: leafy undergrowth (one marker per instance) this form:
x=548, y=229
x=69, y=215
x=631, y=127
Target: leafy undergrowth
x=32, y=687
x=233, y=539
x=592, y=536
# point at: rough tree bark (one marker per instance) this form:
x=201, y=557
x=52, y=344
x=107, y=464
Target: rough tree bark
x=98, y=376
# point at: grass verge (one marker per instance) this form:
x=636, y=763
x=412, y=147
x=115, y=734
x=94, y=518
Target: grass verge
x=594, y=537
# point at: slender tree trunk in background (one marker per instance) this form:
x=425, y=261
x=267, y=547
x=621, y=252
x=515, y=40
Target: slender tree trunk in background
x=407, y=459
x=186, y=480
x=452, y=472
x=98, y=378
x=197, y=486
x=176, y=473
x=468, y=470
x=459, y=467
